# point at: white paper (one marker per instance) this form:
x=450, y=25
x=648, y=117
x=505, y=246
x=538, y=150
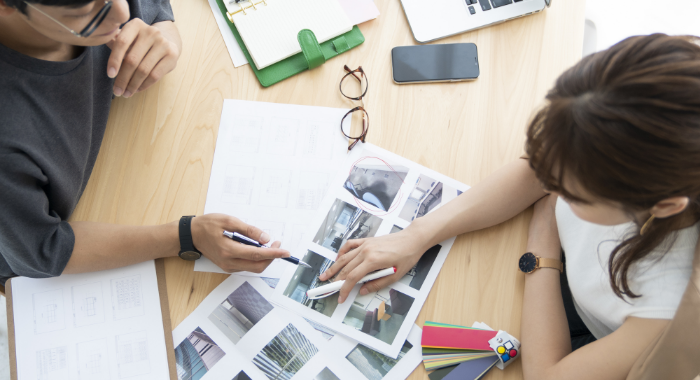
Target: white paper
x=272, y=165
x=619, y=19
x=234, y=50
x=100, y=325
x=394, y=191
x=359, y=11
x=236, y=323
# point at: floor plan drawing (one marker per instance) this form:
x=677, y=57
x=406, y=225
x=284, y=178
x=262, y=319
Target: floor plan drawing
x=52, y=364
x=312, y=189
x=88, y=304
x=132, y=354
x=238, y=184
x=127, y=298
x=93, y=360
x=316, y=140
x=244, y=137
x=49, y=313
x=280, y=137
x=273, y=190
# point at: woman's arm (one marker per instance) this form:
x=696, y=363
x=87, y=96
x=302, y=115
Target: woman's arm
x=100, y=246
x=546, y=343
x=501, y=196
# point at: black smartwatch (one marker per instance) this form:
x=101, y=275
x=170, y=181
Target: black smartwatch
x=187, y=250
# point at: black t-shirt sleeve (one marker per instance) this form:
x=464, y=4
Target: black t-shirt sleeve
x=151, y=11
x=34, y=240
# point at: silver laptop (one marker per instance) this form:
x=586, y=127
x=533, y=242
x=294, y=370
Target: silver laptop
x=432, y=20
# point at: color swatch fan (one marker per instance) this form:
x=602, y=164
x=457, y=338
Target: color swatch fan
x=465, y=353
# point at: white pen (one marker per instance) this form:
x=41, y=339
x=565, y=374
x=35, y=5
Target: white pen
x=334, y=287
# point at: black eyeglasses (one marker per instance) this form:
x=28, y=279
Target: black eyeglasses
x=355, y=91
x=91, y=26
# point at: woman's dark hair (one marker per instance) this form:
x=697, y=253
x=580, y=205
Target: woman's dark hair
x=624, y=124
x=22, y=6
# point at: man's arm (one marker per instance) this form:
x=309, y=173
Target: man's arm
x=100, y=246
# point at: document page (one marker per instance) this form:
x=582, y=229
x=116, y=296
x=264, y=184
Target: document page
x=374, y=193
x=100, y=325
x=237, y=333
x=272, y=166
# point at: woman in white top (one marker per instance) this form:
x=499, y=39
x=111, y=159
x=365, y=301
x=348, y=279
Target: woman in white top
x=613, y=169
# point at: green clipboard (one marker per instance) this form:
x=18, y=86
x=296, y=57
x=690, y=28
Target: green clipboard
x=312, y=54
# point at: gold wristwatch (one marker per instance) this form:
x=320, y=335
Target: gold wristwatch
x=529, y=263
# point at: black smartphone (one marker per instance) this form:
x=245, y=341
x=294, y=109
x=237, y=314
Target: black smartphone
x=434, y=63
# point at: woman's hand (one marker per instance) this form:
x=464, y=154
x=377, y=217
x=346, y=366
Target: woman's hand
x=543, y=237
x=229, y=255
x=141, y=55
x=359, y=257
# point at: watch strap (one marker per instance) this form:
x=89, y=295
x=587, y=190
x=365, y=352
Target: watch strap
x=185, y=229
x=550, y=263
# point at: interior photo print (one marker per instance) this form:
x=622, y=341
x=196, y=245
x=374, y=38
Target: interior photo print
x=345, y=222
x=240, y=311
x=305, y=279
x=326, y=374
x=425, y=196
x=285, y=355
x=375, y=182
x=372, y=364
x=241, y=376
x=379, y=314
x=416, y=276
x=196, y=355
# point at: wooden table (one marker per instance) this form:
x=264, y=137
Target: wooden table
x=157, y=153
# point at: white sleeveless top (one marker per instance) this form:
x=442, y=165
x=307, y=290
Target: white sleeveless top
x=660, y=278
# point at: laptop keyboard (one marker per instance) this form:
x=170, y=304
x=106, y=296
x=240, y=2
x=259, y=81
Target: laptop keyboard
x=486, y=5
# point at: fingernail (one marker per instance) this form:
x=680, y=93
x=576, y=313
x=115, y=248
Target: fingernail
x=341, y=299
x=111, y=72
x=287, y=254
x=118, y=91
x=127, y=94
x=264, y=237
x=364, y=291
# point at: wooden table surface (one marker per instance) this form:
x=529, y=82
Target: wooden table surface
x=157, y=153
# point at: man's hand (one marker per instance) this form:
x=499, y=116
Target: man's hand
x=229, y=255
x=141, y=55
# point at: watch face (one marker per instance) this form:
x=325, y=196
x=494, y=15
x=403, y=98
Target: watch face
x=528, y=262
x=190, y=255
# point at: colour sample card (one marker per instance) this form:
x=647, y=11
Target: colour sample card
x=99, y=325
x=272, y=167
x=237, y=332
x=374, y=193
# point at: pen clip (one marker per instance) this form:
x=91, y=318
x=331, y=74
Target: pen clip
x=324, y=295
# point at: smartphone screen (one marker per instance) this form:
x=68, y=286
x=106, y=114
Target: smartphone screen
x=433, y=63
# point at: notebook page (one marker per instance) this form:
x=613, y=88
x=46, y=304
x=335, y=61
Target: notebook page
x=270, y=32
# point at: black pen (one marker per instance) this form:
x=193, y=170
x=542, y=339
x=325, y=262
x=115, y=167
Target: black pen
x=235, y=236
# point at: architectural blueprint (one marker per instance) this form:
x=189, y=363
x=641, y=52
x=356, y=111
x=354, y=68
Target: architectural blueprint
x=100, y=325
x=272, y=167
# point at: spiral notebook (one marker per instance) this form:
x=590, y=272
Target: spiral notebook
x=269, y=28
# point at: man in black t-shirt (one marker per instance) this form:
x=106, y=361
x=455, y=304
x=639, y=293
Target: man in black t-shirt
x=61, y=63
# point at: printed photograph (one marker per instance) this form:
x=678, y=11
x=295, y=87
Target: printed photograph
x=372, y=364
x=240, y=311
x=416, y=276
x=379, y=314
x=305, y=279
x=196, y=355
x=345, y=222
x=375, y=182
x=425, y=196
x=326, y=374
x=285, y=355
x=241, y=376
